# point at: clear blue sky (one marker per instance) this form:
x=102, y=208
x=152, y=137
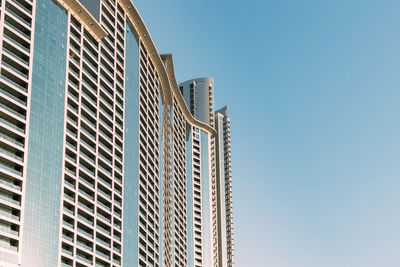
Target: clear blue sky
x=313, y=89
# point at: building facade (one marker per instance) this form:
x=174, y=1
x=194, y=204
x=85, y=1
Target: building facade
x=198, y=95
x=101, y=160
x=210, y=192
x=224, y=188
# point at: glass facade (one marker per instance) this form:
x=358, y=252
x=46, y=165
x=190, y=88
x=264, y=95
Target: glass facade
x=44, y=172
x=130, y=226
x=93, y=6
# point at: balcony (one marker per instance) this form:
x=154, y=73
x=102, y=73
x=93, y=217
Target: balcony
x=11, y=155
x=101, y=254
x=4, y=92
x=17, y=85
x=70, y=198
x=83, y=232
x=68, y=211
x=72, y=134
x=86, y=194
x=84, y=259
x=26, y=9
x=17, y=71
x=12, y=170
x=9, y=215
x=103, y=230
x=80, y=217
x=83, y=180
x=103, y=206
x=16, y=30
x=103, y=217
x=108, y=245
x=104, y=194
x=88, y=209
x=87, y=157
x=88, y=122
x=84, y=246
x=70, y=225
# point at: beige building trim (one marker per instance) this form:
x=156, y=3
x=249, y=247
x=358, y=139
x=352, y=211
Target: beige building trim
x=169, y=64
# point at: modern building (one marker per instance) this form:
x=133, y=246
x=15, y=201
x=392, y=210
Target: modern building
x=97, y=146
x=209, y=188
x=198, y=95
x=224, y=188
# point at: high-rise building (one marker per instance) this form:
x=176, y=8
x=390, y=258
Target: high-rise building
x=224, y=188
x=102, y=163
x=210, y=191
x=198, y=95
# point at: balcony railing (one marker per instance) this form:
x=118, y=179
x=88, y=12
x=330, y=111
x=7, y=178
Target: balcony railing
x=13, y=83
x=12, y=155
x=4, y=167
x=22, y=33
x=22, y=6
x=9, y=215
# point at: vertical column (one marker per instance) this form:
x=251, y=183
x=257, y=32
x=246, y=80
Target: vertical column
x=92, y=192
x=16, y=56
x=168, y=194
x=179, y=177
x=149, y=162
x=131, y=157
x=224, y=189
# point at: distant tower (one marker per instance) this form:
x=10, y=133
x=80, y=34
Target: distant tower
x=199, y=97
x=224, y=188
x=209, y=193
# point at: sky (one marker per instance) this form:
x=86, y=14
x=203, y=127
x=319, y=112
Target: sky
x=313, y=92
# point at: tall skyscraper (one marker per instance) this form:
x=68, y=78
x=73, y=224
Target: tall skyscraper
x=102, y=163
x=209, y=193
x=198, y=95
x=224, y=188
